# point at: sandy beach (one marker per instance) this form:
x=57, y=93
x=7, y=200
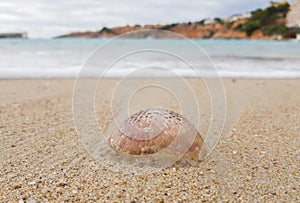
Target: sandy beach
x=43, y=160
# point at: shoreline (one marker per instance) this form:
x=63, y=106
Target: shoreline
x=256, y=159
x=109, y=38
x=292, y=77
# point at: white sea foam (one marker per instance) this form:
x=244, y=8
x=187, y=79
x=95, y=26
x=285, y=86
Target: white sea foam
x=130, y=73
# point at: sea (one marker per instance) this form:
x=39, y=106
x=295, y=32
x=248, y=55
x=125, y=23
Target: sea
x=117, y=58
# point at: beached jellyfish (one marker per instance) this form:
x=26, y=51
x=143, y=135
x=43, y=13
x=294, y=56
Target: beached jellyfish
x=154, y=130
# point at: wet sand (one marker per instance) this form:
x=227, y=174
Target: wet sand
x=257, y=158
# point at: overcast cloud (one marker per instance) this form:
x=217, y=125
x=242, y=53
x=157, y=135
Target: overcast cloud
x=49, y=18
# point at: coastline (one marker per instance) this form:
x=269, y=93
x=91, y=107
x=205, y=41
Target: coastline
x=42, y=158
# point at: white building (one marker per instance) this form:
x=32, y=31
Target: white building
x=209, y=21
x=238, y=17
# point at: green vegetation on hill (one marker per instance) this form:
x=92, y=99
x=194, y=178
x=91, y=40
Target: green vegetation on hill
x=169, y=26
x=267, y=19
x=270, y=21
x=106, y=30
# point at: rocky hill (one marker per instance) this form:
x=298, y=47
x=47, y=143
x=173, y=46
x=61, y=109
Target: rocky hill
x=269, y=23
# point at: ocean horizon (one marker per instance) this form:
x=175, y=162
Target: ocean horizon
x=65, y=58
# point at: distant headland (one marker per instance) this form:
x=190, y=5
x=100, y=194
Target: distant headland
x=13, y=35
x=270, y=23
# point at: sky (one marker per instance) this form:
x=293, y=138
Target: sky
x=50, y=18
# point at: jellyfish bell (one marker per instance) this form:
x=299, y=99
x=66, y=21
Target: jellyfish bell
x=159, y=130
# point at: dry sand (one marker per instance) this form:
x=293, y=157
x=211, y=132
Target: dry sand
x=257, y=159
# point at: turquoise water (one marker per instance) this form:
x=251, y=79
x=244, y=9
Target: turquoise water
x=38, y=58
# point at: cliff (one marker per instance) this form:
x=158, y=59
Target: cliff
x=190, y=30
x=294, y=15
x=269, y=23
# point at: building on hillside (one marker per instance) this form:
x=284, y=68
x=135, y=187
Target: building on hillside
x=238, y=17
x=293, y=16
x=209, y=21
x=275, y=4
